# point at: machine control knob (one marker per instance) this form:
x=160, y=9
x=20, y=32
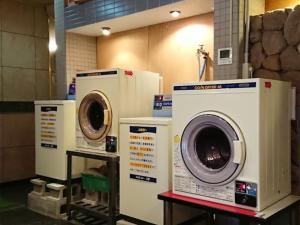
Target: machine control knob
x=245, y=199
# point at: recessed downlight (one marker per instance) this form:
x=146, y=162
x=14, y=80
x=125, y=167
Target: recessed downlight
x=106, y=31
x=175, y=13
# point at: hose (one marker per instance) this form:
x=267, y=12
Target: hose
x=202, y=70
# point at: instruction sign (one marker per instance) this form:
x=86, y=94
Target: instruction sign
x=142, y=153
x=48, y=127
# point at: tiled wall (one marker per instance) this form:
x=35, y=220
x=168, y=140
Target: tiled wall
x=222, y=34
x=99, y=10
x=222, y=37
x=81, y=54
x=24, y=52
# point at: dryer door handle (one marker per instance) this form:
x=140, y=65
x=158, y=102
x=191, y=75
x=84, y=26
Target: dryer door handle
x=106, y=119
x=239, y=152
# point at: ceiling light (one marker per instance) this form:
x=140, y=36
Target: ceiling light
x=175, y=13
x=106, y=31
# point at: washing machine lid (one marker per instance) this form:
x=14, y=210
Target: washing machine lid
x=212, y=148
x=95, y=116
x=91, y=73
x=54, y=102
x=147, y=120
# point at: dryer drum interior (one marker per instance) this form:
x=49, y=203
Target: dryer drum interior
x=208, y=149
x=212, y=147
x=95, y=116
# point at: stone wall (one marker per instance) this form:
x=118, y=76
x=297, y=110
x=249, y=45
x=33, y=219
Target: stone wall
x=275, y=54
x=275, y=46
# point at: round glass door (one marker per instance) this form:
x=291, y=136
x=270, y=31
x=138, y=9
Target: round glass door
x=95, y=116
x=208, y=149
x=212, y=148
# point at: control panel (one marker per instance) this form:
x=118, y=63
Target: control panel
x=111, y=144
x=246, y=193
x=224, y=56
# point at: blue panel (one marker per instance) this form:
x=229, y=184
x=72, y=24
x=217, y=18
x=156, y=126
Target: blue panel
x=140, y=5
x=165, y=2
x=109, y=2
x=109, y=11
x=100, y=10
x=153, y=4
x=124, y=13
x=124, y=7
x=108, y=17
x=99, y=3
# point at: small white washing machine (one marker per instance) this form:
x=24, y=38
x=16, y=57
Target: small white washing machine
x=231, y=141
x=103, y=97
x=145, y=159
x=146, y=162
x=54, y=135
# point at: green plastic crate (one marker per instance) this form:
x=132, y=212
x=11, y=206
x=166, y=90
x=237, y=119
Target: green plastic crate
x=95, y=183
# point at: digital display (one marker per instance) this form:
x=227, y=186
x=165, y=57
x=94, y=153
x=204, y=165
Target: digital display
x=246, y=193
x=246, y=188
x=225, y=54
x=241, y=187
x=159, y=97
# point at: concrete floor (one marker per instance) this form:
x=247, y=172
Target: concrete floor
x=16, y=213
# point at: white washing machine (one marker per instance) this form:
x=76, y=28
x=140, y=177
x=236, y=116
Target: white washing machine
x=104, y=96
x=54, y=135
x=145, y=159
x=146, y=162
x=232, y=141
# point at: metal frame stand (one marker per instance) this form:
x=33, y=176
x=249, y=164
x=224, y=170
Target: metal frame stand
x=106, y=213
x=169, y=198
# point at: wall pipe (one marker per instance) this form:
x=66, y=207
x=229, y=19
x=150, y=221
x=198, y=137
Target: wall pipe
x=201, y=51
x=247, y=20
x=230, y=25
x=246, y=65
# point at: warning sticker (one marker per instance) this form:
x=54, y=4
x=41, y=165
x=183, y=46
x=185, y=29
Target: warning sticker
x=142, y=154
x=48, y=127
x=185, y=182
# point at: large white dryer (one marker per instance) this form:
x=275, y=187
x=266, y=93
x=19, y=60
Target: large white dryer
x=232, y=141
x=102, y=97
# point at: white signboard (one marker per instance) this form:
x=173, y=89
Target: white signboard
x=143, y=157
x=48, y=127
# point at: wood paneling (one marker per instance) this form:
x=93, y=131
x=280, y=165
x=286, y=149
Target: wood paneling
x=279, y=4
x=125, y=50
x=168, y=48
x=18, y=163
x=17, y=150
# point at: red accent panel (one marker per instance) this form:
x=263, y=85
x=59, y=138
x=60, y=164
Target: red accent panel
x=128, y=73
x=268, y=84
x=210, y=204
